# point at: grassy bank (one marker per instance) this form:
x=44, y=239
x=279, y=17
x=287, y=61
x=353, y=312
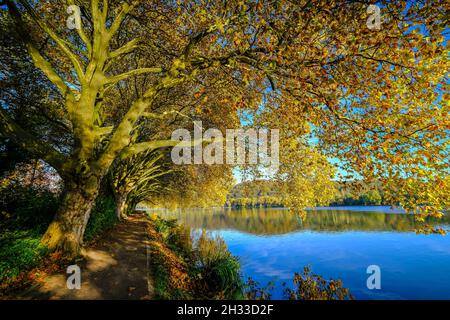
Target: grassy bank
x=24, y=221
x=189, y=266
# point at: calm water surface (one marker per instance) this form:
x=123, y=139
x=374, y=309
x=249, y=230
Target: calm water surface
x=272, y=244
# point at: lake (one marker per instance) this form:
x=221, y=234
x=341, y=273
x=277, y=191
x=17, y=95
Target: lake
x=337, y=243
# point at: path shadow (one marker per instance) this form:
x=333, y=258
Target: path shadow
x=116, y=267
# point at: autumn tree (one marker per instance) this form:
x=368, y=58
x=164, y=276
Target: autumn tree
x=376, y=99
x=135, y=179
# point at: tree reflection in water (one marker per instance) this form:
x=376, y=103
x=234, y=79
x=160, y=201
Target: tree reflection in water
x=281, y=221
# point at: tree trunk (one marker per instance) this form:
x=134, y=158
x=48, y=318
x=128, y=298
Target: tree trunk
x=121, y=206
x=132, y=206
x=66, y=231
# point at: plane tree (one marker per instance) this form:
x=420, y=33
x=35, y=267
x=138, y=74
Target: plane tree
x=135, y=179
x=374, y=98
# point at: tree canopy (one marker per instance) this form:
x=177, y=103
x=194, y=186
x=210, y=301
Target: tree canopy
x=377, y=100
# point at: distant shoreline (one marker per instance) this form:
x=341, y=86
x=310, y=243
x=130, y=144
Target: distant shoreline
x=379, y=209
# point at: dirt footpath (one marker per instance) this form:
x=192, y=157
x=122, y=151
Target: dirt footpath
x=115, y=267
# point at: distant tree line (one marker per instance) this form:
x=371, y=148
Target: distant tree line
x=265, y=194
x=255, y=194
x=259, y=202
x=369, y=198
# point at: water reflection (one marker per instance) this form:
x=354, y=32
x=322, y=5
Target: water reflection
x=272, y=244
x=281, y=221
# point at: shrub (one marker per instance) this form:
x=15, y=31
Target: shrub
x=186, y=267
x=309, y=286
x=165, y=228
x=176, y=237
x=216, y=270
x=27, y=208
x=253, y=291
x=103, y=217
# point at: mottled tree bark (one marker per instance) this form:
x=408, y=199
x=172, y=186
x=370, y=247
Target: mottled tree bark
x=66, y=231
x=121, y=206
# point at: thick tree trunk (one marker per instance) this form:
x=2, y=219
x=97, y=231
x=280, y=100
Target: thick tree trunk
x=66, y=231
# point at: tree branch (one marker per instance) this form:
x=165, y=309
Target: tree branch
x=158, y=144
x=60, y=42
x=82, y=34
x=27, y=141
x=38, y=59
x=130, y=73
x=127, y=48
x=126, y=8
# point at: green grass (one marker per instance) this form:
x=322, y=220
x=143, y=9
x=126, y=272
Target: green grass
x=25, y=215
x=216, y=270
x=213, y=273
x=19, y=251
x=24, y=222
